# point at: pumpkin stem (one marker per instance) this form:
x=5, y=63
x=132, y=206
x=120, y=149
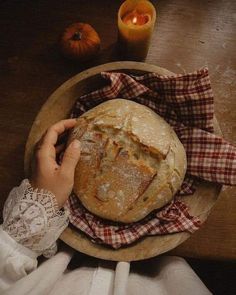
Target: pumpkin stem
x=77, y=36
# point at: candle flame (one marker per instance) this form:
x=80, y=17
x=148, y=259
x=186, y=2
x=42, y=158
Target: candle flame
x=134, y=20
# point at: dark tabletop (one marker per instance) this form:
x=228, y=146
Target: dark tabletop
x=188, y=35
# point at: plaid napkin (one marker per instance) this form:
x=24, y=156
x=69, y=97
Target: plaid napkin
x=186, y=103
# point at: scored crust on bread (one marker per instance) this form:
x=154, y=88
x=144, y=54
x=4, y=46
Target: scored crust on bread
x=132, y=162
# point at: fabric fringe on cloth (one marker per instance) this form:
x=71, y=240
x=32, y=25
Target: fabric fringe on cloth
x=186, y=103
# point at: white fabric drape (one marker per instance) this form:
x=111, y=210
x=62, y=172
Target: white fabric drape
x=167, y=276
x=19, y=250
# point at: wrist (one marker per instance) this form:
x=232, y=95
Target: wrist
x=57, y=194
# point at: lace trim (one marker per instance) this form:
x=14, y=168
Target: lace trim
x=32, y=218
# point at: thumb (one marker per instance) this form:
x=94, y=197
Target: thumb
x=71, y=158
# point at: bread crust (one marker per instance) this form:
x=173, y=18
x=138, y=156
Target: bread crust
x=132, y=162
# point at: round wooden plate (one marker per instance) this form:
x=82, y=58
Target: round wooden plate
x=58, y=107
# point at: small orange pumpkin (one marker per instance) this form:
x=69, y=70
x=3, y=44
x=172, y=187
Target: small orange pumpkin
x=80, y=42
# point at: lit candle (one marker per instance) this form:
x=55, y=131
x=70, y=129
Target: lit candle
x=136, y=19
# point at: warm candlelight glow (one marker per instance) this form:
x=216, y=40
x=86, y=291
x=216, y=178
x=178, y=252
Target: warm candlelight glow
x=135, y=18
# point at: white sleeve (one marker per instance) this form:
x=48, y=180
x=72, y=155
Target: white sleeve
x=16, y=261
x=32, y=222
x=43, y=279
x=32, y=218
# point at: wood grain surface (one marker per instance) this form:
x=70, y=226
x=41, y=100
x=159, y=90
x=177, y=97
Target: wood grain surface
x=187, y=36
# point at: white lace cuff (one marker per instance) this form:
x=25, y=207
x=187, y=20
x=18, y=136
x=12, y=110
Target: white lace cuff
x=32, y=218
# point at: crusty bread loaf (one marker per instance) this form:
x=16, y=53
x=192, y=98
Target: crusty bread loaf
x=132, y=162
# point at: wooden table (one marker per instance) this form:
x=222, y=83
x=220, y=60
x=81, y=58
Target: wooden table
x=188, y=35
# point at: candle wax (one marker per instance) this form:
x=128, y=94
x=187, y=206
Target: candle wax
x=136, y=19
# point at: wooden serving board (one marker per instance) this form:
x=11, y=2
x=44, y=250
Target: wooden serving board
x=58, y=107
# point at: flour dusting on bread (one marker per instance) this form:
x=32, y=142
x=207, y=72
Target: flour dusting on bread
x=132, y=162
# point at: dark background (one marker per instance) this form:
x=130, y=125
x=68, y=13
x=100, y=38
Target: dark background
x=189, y=34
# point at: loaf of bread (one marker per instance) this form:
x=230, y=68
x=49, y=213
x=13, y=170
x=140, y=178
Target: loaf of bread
x=132, y=162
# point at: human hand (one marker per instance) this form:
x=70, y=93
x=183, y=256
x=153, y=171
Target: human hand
x=46, y=172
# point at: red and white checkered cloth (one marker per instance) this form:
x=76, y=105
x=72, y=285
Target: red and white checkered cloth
x=186, y=103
